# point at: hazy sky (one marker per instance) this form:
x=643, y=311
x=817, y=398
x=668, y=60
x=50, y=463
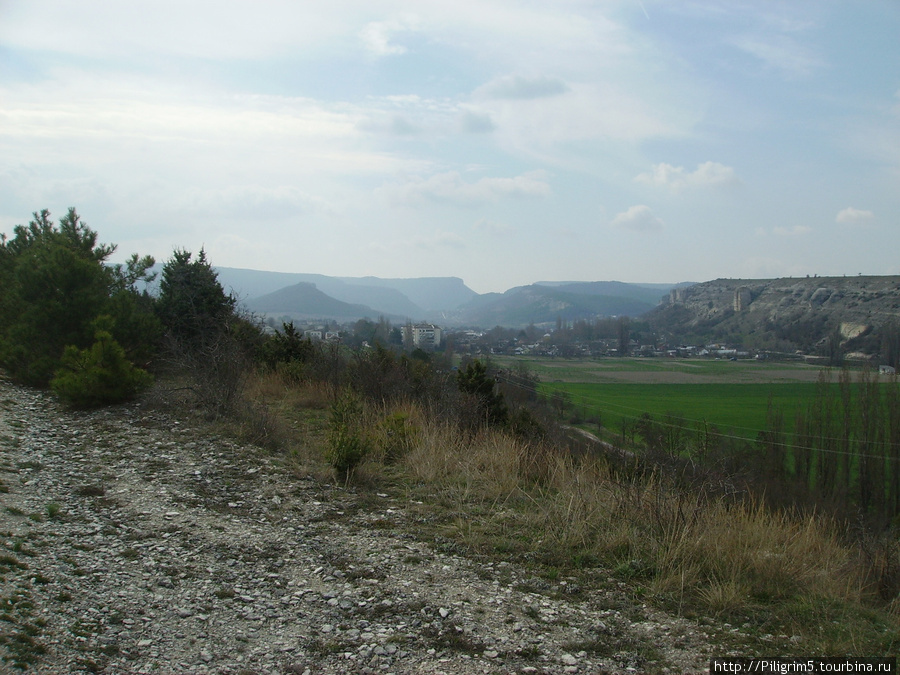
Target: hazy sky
x=503, y=142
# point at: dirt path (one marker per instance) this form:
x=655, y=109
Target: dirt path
x=133, y=543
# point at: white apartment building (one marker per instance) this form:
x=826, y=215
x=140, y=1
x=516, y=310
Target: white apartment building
x=422, y=335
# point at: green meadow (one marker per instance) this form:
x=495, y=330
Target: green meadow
x=740, y=409
x=733, y=396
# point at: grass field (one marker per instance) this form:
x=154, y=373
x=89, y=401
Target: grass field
x=731, y=395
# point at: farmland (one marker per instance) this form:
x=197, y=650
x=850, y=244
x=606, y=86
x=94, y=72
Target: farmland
x=731, y=395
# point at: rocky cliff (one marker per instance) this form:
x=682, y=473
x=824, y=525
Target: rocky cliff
x=805, y=314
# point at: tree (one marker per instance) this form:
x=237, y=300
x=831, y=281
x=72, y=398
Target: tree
x=55, y=283
x=490, y=407
x=99, y=375
x=205, y=338
x=192, y=304
x=624, y=335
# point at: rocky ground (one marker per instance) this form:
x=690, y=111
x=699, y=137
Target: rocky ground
x=134, y=542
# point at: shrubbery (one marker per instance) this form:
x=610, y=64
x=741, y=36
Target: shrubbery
x=99, y=375
x=56, y=282
x=348, y=440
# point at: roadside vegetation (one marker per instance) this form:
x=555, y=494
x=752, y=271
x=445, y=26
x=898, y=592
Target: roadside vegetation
x=796, y=550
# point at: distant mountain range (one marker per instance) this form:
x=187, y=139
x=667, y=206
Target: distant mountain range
x=444, y=300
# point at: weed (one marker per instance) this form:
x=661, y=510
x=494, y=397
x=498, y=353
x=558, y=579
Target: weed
x=91, y=491
x=348, y=441
x=529, y=652
x=53, y=509
x=9, y=563
x=452, y=637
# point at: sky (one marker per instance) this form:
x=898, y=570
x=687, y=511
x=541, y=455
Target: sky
x=501, y=141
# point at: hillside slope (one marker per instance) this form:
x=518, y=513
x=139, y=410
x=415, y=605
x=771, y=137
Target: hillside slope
x=305, y=301
x=202, y=555
x=544, y=304
x=783, y=314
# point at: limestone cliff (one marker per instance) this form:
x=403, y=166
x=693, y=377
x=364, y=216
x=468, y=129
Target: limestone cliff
x=784, y=314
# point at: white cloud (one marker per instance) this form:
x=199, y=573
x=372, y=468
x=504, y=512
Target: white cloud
x=440, y=239
x=708, y=174
x=795, y=231
x=476, y=123
x=493, y=227
x=638, y=219
x=451, y=188
x=377, y=36
x=96, y=28
x=520, y=87
x=851, y=215
x=254, y=202
x=781, y=53
x=393, y=125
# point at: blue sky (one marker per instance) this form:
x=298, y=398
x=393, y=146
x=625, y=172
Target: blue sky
x=503, y=142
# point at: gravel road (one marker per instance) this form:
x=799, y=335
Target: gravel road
x=134, y=542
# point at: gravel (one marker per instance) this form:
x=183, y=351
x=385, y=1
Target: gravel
x=135, y=542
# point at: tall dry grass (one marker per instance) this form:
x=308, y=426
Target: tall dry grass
x=694, y=552
x=712, y=553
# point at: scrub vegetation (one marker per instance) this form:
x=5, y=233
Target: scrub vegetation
x=788, y=535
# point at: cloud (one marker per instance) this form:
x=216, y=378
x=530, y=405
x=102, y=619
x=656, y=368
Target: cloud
x=781, y=53
x=451, y=188
x=519, y=87
x=708, y=174
x=253, y=202
x=440, y=239
x=795, y=231
x=493, y=227
x=638, y=219
x=395, y=125
x=851, y=215
x=376, y=36
x=476, y=123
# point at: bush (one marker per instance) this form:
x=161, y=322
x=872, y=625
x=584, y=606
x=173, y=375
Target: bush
x=99, y=375
x=348, y=442
x=396, y=434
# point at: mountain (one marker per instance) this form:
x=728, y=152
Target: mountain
x=434, y=294
x=416, y=299
x=651, y=294
x=805, y=314
x=544, y=304
x=444, y=300
x=305, y=301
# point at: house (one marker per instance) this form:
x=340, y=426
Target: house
x=886, y=370
x=422, y=335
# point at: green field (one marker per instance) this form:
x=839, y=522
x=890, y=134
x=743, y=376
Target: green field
x=731, y=395
x=733, y=408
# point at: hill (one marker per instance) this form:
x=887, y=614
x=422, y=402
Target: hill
x=446, y=300
x=417, y=298
x=305, y=301
x=807, y=314
x=544, y=304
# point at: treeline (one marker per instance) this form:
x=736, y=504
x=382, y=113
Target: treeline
x=90, y=330
x=844, y=451
x=93, y=333
x=840, y=453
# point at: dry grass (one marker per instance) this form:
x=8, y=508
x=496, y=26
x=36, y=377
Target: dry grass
x=701, y=556
x=695, y=555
